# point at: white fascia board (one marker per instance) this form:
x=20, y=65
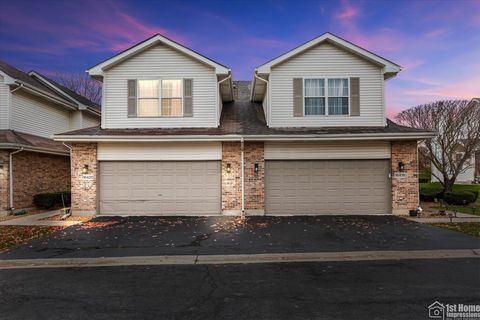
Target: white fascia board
x=33, y=90
x=306, y=137
x=97, y=70
x=7, y=79
x=389, y=67
x=53, y=87
x=341, y=137
x=68, y=138
x=12, y=81
x=33, y=149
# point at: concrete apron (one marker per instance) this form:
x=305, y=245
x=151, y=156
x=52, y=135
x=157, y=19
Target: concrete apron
x=238, y=259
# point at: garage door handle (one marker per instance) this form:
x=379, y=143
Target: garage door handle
x=160, y=194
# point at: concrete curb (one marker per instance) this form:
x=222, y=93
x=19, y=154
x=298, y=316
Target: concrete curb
x=238, y=259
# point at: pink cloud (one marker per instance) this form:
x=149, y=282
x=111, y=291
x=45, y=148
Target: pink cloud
x=436, y=33
x=348, y=12
x=87, y=28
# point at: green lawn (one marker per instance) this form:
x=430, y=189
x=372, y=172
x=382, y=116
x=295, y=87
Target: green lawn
x=470, y=228
x=456, y=187
x=459, y=187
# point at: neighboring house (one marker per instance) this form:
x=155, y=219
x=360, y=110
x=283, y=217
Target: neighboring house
x=307, y=136
x=32, y=109
x=471, y=172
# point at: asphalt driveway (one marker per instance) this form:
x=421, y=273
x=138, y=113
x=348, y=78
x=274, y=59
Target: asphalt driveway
x=339, y=290
x=145, y=236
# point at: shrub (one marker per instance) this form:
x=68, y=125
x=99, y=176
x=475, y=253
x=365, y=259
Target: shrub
x=50, y=200
x=424, y=177
x=460, y=197
x=429, y=194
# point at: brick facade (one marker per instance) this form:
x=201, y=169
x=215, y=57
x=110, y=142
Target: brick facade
x=231, y=181
x=254, y=181
x=35, y=172
x=4, y=202
x=405, y=193
x=84, y=192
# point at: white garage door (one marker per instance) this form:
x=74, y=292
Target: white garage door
x=160, y=187
x=327, y=187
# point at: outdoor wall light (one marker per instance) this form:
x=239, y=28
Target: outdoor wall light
x=401, y=166
x=255, y=167
x=85, y=169
x=228, y=168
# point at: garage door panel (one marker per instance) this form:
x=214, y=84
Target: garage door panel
x=327, y=187
x=160, y=187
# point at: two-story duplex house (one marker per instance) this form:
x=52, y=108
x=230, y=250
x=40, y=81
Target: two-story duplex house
x=307, y=136
x=32, y=109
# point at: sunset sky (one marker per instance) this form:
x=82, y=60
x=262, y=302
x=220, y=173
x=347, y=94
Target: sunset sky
x=436, y=42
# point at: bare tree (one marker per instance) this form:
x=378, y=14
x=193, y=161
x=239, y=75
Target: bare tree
x=457, y=123
x=82, y=84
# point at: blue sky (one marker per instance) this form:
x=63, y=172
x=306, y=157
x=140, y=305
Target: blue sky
x=436, y=42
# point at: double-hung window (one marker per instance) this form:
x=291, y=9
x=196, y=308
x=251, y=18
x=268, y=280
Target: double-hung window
x=148, y=98
x=338, y=96
x=326, y=96
x=160, y=98
x=314, y=96
x=172, y=98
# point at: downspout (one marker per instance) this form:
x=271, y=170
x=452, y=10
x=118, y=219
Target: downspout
x=10, y=176
x=242, y=162
x=17, y=88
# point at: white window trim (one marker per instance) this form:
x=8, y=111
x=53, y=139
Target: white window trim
x=160, y=97
x=325, y=79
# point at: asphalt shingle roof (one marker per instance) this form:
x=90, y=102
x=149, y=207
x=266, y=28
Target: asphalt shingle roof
x=28, y=79
x=20, y=139
x=242, y=117
x=24, y=77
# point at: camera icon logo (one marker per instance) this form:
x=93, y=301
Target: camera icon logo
x=436, y=311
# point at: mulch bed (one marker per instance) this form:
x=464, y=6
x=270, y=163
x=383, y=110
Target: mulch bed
x=11, y=236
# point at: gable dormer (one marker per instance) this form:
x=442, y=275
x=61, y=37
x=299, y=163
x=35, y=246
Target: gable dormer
x=159, y=83
x=325, y=82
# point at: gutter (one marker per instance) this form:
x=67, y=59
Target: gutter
x=17, y=88
x=44, y=94
x=10, y=176
x=238, y=137
x=32, y=149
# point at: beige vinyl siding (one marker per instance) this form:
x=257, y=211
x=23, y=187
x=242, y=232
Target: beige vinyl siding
x=161, y=151
x=76, y=120
x=4, y=105
x=90, y=121
x=327, y=150
x=160, y=62
x=326, y=60
x=35, y=116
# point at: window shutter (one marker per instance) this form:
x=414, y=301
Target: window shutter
x=297, y=97
x=354, y=96
x=188, y=97
x=132, y=98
